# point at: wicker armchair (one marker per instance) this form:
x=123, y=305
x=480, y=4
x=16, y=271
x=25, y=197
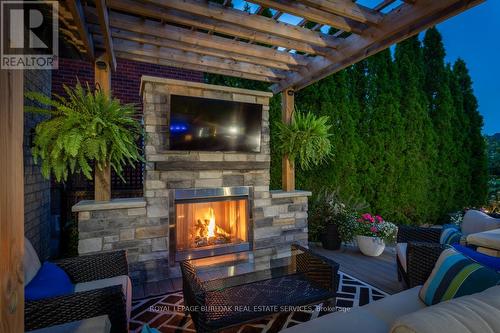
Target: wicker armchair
x=314, y=279
x=81, y=305
x=415, y=249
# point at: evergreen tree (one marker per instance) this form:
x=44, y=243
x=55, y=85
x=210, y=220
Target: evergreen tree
x=331, y=97
x=418, y=151
x=461, y=161
x=477, y=147
x=441, y=111
x=384, y=136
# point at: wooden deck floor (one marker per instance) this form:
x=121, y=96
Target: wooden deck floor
x=379, y=271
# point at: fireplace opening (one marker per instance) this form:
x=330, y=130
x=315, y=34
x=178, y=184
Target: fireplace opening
x=202, y=224
x=210, y=222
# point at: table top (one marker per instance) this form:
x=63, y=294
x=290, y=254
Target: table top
x=242, y=268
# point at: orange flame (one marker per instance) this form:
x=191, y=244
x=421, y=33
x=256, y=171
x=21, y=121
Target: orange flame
x=211, y=224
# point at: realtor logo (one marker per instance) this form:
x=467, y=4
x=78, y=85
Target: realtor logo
x=29, y=34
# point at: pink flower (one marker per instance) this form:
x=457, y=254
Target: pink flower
x=367, y=217
x=379, y=218
x=374, y=229
x=359, y=220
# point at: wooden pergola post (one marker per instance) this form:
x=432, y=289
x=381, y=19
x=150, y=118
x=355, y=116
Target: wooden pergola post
x=11, y=201
x=288, y=167
x=102, y=178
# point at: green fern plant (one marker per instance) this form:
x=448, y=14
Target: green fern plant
x=84, y=127
x=306, y=139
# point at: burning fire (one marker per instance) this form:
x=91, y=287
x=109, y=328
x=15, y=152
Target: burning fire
x=211, y=224
x=207, y=232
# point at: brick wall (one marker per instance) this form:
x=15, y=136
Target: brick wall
x=125, y=81
x=36, y=188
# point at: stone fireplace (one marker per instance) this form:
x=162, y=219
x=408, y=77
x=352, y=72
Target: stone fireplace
x=209, y=222
x=196, y=203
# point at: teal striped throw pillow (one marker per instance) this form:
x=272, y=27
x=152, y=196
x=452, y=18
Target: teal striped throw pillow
x=456, y=275
x=450, y=235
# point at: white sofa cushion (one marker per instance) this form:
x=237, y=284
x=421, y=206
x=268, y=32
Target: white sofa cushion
x=476, y=221
x=489, y=239
x=401, y=253
x=122, y=280
x=390, y=308
x=31, y=262
x=376, y=317
x=355, y=321
x=477, y=313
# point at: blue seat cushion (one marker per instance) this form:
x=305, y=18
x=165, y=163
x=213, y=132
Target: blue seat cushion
x=451, y=234
x=484, y=259
x=49, y=281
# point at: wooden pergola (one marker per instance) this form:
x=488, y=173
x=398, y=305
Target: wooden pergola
x=209, y=37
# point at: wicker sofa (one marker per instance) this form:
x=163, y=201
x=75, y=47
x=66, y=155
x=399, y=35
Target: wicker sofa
x=102, y=287
x=405, y=312
x=416, y=246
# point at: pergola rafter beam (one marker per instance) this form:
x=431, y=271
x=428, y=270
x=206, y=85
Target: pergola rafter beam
x=206, y=23
x=76, y=9
x=384, y=4
x=403, y=22
x=312, y=14
x=346, y=8
x=158, y=41
x=196, y=59
x=102, y=14
x=254, y=22
x=200, y=39
x=136, y=56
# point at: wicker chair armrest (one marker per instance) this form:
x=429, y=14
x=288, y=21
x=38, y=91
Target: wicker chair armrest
x=192, y=287
x=78, y=306
x=317, y=268
x=95, y=267
x=418, y=234
x=421, y=258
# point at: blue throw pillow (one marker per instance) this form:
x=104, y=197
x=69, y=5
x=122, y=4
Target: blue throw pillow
x=455, y=275
x=450, y=235
x=49, y=281
x=484, y=259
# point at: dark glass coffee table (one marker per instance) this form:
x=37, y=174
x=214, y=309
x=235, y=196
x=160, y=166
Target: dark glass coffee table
x=251, y=288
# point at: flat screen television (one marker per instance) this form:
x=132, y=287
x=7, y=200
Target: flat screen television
x=204, y=124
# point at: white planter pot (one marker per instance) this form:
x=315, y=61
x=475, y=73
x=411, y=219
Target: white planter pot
x=370, y=246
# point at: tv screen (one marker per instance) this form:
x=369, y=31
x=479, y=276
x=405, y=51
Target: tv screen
x=214, y=125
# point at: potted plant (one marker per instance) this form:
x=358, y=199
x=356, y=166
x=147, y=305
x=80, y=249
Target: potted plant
x=330, y=220
x=306, y=140
x=85, y=128
x=372, y=233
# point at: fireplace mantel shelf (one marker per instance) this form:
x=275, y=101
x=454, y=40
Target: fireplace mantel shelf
x=120, y=203
x=278, y=194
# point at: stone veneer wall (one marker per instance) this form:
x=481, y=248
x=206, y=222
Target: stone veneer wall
x=122, y=224
x=141, y=225
x=279, y=218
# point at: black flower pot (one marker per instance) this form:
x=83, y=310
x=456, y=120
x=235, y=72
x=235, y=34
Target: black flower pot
x=331, y=238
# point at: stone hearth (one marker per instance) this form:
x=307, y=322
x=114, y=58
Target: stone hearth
x=141, y=225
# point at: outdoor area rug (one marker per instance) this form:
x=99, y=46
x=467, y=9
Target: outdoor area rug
x=165, y=312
